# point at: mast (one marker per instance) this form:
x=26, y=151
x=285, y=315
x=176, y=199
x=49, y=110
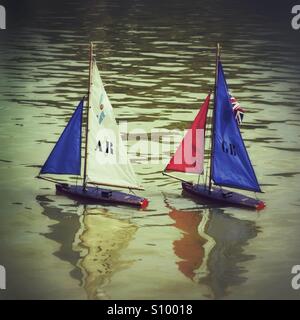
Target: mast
x=87, y=116
x=213, y=118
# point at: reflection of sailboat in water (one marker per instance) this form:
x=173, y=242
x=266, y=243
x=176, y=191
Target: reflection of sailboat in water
x=195, y=245
x=100, y=242
x=211, y=248
x=91, y=242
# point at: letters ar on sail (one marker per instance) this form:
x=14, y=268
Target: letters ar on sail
x=107, y=162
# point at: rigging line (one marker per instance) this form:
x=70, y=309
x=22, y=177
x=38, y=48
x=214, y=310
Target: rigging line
x=87, y=116
x=176, y=178
x=209, y=145
x=201, y=173
x=48, y=179
x=199, y=178
x=132, y=191
x=213, y=116
x=203, y=178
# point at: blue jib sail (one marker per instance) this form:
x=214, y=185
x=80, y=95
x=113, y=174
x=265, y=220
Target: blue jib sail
x=231, y=165
x=65, y=157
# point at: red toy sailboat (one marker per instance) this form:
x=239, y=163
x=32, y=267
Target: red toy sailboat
x=229, y=163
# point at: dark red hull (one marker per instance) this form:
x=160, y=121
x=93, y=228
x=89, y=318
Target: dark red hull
x=100, y=195
x=223, y=196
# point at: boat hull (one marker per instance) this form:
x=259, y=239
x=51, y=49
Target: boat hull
x=222, y=196
x=103, y=196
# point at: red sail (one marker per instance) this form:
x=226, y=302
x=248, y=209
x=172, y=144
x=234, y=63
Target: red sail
x=189, y=157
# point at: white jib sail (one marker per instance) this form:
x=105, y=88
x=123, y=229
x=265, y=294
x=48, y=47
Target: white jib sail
x=107, y=162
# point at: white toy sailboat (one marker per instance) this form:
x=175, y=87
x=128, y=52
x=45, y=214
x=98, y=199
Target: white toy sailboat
x=105, y=158
x=229, y=162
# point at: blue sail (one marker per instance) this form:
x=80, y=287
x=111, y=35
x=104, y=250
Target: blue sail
x=231, y=165
x=65, y=157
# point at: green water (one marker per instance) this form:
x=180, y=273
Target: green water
x=157, y=61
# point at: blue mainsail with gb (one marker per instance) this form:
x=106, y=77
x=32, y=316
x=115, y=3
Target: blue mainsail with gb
x=229, y=150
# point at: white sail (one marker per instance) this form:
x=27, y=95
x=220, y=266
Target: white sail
x=107, y=160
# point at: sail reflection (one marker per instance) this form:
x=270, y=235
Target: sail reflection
x=100, y=241
x=211, y=248
x=91, y=240
x=194, y=246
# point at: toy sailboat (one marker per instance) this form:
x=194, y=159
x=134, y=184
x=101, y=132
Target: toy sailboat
x=229, y=163
x=105, y=158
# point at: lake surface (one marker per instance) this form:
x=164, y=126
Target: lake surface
x=157, y=61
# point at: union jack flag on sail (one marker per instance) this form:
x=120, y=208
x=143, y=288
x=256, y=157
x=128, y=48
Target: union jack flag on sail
x=237, y=109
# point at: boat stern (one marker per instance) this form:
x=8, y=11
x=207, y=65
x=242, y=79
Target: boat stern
x=260, y=205
x=144, y=203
